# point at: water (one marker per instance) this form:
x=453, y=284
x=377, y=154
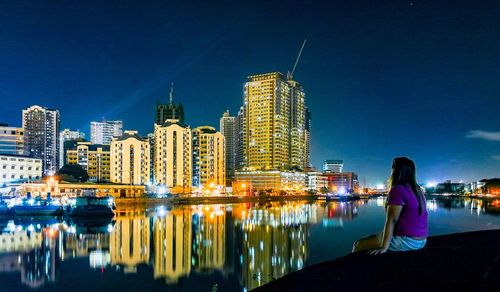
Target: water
x=202, y=248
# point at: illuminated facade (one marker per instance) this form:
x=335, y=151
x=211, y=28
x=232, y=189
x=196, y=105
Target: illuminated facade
x=272, y=180
x=130, y=159
x=15, y=168
x=94, y=158
x=41, y=136
x=316, y=182
x=275, y=136
x=334, y=166
x=172, y=245
x=209, y=160
x=173, y=164
x=11, y=140
x=343, y=182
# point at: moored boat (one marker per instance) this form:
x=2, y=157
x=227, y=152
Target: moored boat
x=91, y=206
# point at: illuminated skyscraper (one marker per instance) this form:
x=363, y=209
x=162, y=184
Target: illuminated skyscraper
x=239, y=124
x=173, y=164
x=103, y=132
x=208, y=157
x=228, y=130
x=130, y=159
x=41, y=136
x=274, y=123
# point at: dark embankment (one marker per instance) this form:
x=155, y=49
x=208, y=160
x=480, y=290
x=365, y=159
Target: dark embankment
x=457, y=262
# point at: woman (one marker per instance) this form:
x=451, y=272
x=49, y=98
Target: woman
x=406, y=214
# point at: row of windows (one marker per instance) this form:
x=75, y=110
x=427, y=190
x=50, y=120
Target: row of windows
x=20, y=167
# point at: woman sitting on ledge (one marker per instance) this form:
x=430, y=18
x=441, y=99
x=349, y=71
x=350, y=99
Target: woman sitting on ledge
x=406, y=214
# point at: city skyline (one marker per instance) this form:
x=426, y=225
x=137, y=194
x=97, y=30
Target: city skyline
x=358, y=80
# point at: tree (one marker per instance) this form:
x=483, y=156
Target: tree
x=73, y=173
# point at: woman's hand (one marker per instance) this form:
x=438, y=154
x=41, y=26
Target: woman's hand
x=377, y=251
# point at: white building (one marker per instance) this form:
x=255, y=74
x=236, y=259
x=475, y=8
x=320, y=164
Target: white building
x=103, y=132
x=41, y=136
x=334, y=166
x=173, y=161
x=228, y=130
x=16, y=168
x=130, y=158
x=316, y=181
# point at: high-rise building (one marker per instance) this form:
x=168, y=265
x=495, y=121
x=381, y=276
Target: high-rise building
x=11, y=140
x=169, y=111
x=334, y=166
x=209, y=165
x=239, y=125
x=94, y=158
x=64, y=136
x=308, y=137
x=103, y=132
x=173, y=164
x=41, y=136
x=275, y=123
x=228, y=130
x=130, y=158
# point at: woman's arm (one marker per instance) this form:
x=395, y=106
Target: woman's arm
x=393, y=212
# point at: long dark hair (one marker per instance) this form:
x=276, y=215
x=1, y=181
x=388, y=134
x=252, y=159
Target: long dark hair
x=403, y=172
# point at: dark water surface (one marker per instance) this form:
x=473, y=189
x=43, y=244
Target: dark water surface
x=234, y=247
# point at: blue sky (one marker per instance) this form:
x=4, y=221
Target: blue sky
x=382, y=79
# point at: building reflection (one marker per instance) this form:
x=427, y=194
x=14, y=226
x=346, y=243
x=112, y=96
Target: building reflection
x=172, y=245
x=275, y=243
x=130, y=241
x=209, y=234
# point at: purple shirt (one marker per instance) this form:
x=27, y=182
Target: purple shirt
x=410, y=222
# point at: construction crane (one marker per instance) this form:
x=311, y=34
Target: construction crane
x=290, y=74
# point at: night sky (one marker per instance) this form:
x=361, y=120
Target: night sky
x=413, y=78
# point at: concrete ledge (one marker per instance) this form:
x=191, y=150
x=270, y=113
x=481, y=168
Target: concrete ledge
x=461, y=262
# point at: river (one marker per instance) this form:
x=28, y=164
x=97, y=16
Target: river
x=232, y=247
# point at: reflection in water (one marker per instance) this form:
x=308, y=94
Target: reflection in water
x=249, y=244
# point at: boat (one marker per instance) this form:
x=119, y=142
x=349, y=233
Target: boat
x=38, y=207
x=91, y=206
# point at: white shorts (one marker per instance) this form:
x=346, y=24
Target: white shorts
x=406, y=243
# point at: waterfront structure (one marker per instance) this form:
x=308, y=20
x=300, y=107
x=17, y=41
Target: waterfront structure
x=270, y=181
x=173, y=156
x=448, y=187
x=94, y=158
x=17, y=168
x=334, y=166
x=275, y=135
x=228, y=130
x=344, y=182
x=316, y=182
x=60, y=189
x=209, y=167
x=169, y=111
x=11, y=140
x=41, y=136
x=130, y=159
x=64, y=136
x=104, y=132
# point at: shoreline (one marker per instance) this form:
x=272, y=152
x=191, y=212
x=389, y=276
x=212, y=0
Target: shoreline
x=468, y=261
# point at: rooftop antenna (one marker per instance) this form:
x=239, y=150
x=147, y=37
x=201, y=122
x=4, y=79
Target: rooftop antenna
x=290, y=74
x=171, y=92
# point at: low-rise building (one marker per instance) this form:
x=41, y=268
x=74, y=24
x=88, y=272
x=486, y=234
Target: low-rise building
x=272, y=181
x=17, y=168
x=344, y=182
x=60, y=189
x=94, y=158
x=316, y=182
